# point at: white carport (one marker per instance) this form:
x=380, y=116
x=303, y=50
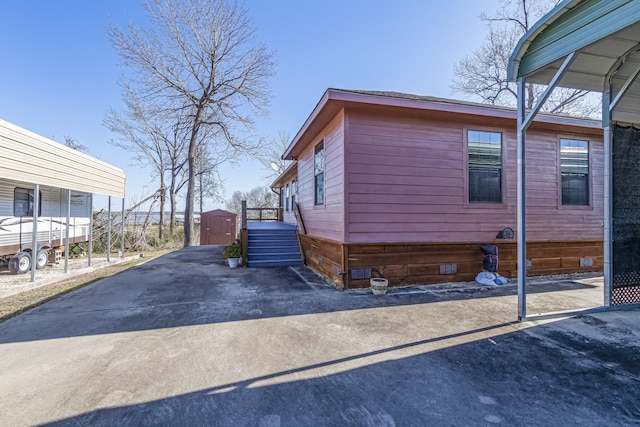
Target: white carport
x=35, y=160
x=592, y=45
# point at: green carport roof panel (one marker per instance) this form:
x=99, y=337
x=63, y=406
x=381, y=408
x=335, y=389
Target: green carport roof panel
x=586, y=23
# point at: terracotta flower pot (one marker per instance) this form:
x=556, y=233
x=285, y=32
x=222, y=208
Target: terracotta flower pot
x=379, y=285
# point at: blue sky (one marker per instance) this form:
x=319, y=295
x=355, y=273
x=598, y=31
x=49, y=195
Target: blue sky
x=59, y=73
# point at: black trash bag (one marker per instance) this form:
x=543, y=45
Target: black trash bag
x=490, y=261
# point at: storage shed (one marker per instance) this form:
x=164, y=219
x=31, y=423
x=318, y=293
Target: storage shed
x=218, y=227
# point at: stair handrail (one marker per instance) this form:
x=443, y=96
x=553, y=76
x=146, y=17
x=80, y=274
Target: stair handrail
x=298, y=215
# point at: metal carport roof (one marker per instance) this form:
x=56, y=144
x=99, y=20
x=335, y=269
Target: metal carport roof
x=605, y=36
x=28, y=157
x=583, y=44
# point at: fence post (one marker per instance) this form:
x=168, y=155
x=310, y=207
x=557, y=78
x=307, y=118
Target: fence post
x=244, y=215
x=244, y=235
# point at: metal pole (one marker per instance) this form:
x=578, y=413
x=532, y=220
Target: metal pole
x=90, y=229
x=34, y=239
x=122, y=235
x=66, y=239
x=109, y=231
x=521, y=220
x=548, y=91
x=524, y=122
x=608, y=199
x=244, y=215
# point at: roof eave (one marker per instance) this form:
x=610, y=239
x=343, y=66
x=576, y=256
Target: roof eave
x=296, y=139
x=286, y=175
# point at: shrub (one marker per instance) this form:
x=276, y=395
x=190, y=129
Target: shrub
x=232, y=251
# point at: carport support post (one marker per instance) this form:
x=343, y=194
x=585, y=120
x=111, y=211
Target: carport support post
x=90, y=229
x=521, y=220
x=109, y=230
x=524, y=121
x=66, y=238
x=34, y=239
x=122, y=234
x=608, y=200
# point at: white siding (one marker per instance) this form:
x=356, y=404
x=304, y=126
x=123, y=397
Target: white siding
x=52, y=219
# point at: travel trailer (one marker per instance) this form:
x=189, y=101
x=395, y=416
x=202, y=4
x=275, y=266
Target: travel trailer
x=16, y=224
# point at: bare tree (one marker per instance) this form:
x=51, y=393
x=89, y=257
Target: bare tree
x=73, y=143
x=483, y=74
x=209, y=181
x=175, y=149
x=199, y=57
x=145, y=134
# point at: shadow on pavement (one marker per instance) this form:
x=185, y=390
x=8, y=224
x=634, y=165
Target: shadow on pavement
x=529, y=377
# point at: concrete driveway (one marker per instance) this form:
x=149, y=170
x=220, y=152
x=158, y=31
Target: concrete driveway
x=184, y=340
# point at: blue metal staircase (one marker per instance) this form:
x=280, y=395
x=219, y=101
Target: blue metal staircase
x=272, y=244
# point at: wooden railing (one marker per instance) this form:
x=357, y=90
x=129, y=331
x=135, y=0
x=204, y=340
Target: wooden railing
x=260, y=214
x=255, y=215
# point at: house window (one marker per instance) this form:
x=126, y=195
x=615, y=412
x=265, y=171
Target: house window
x=484, y=151
x=287, y=195
x=574, y=172
x=23, y=202
x=318, y=168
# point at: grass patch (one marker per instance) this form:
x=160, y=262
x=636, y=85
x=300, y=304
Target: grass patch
x=13, y=305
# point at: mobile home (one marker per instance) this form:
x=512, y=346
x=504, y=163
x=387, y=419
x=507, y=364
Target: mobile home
x=410, y=187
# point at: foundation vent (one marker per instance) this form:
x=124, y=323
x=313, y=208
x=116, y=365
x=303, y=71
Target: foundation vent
x=448, y=269
x=360, y=273
x=586, y=262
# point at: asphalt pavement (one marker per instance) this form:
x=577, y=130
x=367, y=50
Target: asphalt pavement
x=184, y=340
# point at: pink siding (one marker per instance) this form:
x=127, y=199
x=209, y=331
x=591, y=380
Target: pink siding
x=407, y=182
x=326, y=221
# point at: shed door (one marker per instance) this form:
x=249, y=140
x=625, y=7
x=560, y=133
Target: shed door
x=219, y=230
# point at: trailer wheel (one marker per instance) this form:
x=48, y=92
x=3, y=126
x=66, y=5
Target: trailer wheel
x=21, y=263
x=42, y=259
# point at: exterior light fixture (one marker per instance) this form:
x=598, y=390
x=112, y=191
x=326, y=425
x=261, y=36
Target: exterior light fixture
x=505, y=233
